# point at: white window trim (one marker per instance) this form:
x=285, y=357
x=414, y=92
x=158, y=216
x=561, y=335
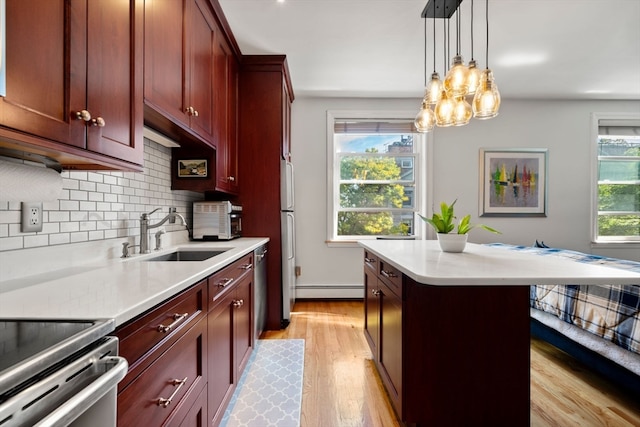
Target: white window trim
x=595, y=120
x=424, y=168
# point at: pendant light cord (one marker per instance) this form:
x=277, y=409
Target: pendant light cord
x=425, y=51
x=458, y=18
x=472, y=29
x=487, y=19
x=434, y=36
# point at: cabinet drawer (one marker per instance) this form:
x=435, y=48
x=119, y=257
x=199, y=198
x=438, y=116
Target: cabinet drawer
x=159, y=328
x=174, y=380
x=391, y=276
x=228, y=276
x=370, y=260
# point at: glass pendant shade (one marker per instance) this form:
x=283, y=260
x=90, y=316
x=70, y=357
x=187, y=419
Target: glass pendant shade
x=433, y=91
x=473, y=77
x=486, y=101
x=455, y=83
x=444, y=110
x=425, y=119
x=462, y=112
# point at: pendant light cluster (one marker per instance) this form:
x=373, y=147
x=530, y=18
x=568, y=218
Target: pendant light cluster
x=447, y=102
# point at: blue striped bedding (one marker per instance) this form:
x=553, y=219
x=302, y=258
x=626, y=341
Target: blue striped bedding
x=611, y=312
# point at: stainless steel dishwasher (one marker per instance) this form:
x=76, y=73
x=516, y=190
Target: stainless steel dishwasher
x=260, y=290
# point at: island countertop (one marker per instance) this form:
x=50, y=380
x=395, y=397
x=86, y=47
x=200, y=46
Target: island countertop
x=481, y=265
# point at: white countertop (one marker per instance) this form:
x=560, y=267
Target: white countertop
x=115, y=288
x=423, y=261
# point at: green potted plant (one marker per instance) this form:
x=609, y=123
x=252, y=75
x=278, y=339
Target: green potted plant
x=444, y=225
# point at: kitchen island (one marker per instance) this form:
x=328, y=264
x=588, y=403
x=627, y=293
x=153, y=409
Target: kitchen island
x=450, y=332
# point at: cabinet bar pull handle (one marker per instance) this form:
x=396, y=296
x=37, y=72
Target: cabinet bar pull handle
x=238, y=303
x=225, y=282
x=370, y=260
x=177, y=318
x=376, y=292
x=231, y=178
x=83, y=115
x=246, y=266
x=387, y=274
x=166, y=402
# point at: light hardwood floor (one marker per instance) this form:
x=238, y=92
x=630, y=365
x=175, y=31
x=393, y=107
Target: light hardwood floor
x=342, y=387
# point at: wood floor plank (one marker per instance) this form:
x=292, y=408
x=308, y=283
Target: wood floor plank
x=342, y=388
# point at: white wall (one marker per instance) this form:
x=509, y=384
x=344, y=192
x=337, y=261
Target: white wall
x=563, y=127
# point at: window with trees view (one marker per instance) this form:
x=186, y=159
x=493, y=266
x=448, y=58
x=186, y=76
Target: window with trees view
x=374, y=178
x=618, y=181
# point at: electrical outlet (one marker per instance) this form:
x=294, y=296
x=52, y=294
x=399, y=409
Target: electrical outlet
x=172, y=220
x=31, y=216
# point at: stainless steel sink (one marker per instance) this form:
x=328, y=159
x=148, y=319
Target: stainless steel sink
x=188, y=255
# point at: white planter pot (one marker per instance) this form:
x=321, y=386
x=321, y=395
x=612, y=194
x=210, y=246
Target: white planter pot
x=452, y=242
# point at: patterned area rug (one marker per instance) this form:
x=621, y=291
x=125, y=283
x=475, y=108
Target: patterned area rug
x=269, y=392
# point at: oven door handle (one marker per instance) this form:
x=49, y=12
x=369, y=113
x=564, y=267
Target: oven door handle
x=83, y=399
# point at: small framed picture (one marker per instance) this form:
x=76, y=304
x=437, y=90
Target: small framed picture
x=513, y=182
x=193, y=168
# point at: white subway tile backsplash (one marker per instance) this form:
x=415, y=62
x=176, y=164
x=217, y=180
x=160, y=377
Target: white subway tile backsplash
x=35, y=241
x=66, y=227
x=81, y=236
x=101, y=205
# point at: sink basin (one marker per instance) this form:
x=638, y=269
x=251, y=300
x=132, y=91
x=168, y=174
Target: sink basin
x=187, y=255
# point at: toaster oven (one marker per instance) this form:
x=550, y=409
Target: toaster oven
x=216, y=220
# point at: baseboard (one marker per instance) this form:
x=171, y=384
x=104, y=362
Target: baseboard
x=330, y=291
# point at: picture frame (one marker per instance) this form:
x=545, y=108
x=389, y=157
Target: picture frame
x=193, y=168
x=513, y=182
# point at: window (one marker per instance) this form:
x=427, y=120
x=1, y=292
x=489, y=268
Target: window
x=374, y=176
x=617, y=183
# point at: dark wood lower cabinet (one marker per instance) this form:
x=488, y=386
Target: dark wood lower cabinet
x=169, y=385
x=231, y=342
x=450, y=355
x=220, y=358
x=187, y=354
x=197, y=414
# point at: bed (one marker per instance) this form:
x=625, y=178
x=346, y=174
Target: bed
x=597, y=324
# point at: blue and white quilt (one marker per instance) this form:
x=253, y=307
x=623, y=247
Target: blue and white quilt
x=611, y=312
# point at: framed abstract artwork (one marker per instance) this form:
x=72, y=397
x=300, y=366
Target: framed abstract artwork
x=513, y=182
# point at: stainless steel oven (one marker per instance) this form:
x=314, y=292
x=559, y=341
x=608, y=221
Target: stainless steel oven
x=58, y=373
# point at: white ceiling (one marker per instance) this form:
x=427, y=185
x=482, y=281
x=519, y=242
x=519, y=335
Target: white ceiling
x=559, y=49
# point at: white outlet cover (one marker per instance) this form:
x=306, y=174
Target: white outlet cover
x=31, y=217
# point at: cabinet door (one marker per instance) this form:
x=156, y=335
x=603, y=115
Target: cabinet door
x=165, y=82
x=172, y=382
x=114, y=78
x=371, y=310
x=197, y=414
x=201, y=39
x=225, y=84
x=243, y=336
x=220, y=355
x=42, y=96
x=390, y=362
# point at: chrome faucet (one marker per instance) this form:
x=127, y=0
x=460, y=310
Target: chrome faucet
x=145, y=227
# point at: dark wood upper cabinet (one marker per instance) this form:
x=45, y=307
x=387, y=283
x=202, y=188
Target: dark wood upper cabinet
x=74, y=82
x=225, y=106
x=179, y=60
